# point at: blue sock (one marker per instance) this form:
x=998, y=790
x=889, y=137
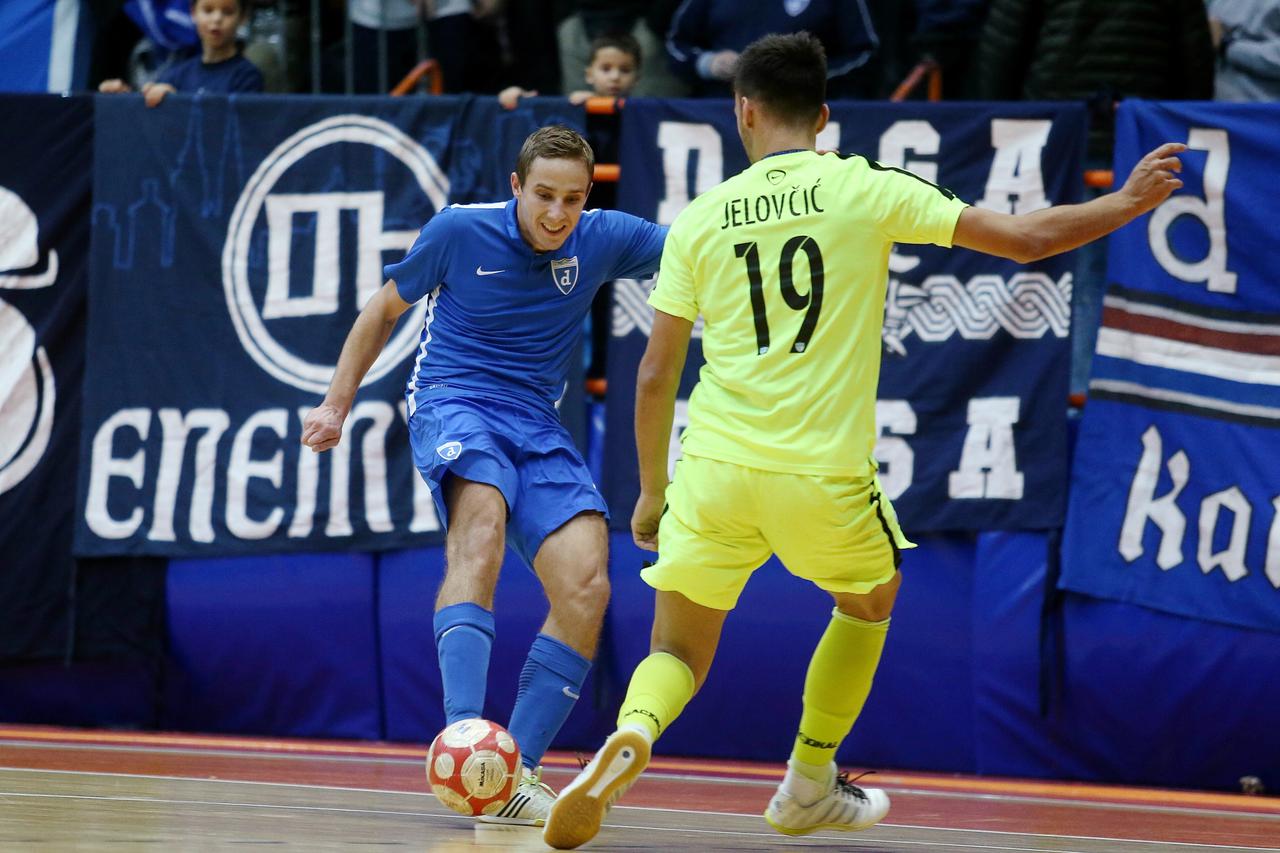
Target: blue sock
x=464, y=635
x=549, y=685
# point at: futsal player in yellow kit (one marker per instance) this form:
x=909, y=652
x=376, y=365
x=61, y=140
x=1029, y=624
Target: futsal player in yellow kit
x=786, y=263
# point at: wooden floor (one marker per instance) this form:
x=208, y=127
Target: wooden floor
x=100, y=791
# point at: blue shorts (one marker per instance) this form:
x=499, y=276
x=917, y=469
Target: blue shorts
x=523, y=452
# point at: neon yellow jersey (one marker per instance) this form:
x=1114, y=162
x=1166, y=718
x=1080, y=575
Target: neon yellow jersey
x=787, y=263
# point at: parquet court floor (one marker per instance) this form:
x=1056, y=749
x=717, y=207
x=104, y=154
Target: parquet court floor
x=72, y=790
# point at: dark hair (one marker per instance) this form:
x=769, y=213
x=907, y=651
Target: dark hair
x=242, y=7
x=618, y=41
x=787, y=74
x=554, y=142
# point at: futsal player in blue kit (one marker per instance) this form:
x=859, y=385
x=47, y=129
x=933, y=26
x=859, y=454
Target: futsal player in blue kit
x=508, y=285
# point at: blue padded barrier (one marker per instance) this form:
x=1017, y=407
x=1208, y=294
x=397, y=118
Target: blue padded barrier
x=919, y=713
x=281, y=645
x=414, y=707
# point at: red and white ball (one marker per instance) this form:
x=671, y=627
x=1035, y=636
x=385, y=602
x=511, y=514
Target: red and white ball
x=473, y=767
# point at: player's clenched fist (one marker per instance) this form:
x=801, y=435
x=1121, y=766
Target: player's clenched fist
x=1155, y=176
x=322, y=427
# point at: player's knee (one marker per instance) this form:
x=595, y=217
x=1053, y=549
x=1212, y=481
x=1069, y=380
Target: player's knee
x=585, y=599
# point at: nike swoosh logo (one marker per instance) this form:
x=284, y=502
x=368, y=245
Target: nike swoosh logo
x=566, y=691
x=483, y=271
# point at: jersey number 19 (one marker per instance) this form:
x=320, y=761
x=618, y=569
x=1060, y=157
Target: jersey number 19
x=810, y=303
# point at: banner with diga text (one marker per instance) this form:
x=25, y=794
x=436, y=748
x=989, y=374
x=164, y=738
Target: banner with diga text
x=973, y=384
x=234, y=241
x=1175, y=488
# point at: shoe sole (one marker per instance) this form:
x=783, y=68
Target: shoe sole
x=841, y=827
x=579, y=810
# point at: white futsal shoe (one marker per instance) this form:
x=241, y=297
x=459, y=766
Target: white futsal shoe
x=799, y=808
x=528, y=806
x=577, y=813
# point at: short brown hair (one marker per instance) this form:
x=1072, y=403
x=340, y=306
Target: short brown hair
x=623, y=42
x=554, y=142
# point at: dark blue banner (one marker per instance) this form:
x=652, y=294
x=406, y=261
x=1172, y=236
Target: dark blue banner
x=234, y=241
x=973, y=386
x=44, y=247
x=1175, y=492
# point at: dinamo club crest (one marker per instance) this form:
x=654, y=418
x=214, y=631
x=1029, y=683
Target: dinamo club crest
x=565, y=273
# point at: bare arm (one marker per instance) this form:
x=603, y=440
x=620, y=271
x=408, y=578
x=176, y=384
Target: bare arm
x=656, y=386
x=322, y=427
x=1032, y=236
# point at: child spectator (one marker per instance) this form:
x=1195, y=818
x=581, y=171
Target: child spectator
x=218, y=68
x=611, y=72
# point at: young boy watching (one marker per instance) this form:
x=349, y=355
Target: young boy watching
x=611, y=72
x=218, y=68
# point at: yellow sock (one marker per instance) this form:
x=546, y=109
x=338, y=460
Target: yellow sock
x=836, y=687
x=660, y=688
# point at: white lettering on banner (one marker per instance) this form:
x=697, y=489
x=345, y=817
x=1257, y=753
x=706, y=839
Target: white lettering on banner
x=28, y=389
x=914, y=136
x=829, y=138
x=105, y=465
x=1016, y=182
x=212, y=475
x=425, y=519
x=308, y=485
x=1210, y=211
x=679, y=140
x=897, y=459
x=377, y=512
x=175, y=428
x=244, y=468
x=988, y=461
x=1163, y=512
x=678, y=424
x=1231, y=558
x=251, y=324
x=326, y=208
x=1273, y=545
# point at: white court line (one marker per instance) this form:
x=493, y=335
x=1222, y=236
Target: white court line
x=650, y=774
x=1134, y=841
x=677, y=830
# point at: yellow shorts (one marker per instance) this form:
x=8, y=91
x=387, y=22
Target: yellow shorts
x=724, y=520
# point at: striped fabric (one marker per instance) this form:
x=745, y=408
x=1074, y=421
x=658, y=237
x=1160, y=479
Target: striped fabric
x=1165, y=353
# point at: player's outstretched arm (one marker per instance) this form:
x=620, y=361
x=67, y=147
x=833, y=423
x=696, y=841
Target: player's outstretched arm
x=322, y=427
x=1031, y=236
x=657, y=382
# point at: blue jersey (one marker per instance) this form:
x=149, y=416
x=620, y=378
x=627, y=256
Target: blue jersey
x=503, y=320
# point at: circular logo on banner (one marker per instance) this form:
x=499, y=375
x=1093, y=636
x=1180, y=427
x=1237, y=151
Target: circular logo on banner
x=321, y=238
x=27, y=388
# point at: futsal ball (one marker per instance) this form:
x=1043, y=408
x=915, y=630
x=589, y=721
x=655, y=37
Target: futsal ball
x=473, y=767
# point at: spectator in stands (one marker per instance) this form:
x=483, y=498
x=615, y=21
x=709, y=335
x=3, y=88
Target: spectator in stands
x=1246, y=35
x=1102, y=50
x=462, y=36
x=372, y=21
x=948, y=32
x=707, y=35
x=1099, y=51
x=645, y=20
x=611, y=72
x=218, y=67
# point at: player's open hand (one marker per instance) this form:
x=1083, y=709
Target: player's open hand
x=322, y=427
x=1155, y=177
x=644, y=521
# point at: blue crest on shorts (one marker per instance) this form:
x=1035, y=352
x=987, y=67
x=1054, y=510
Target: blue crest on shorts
x=565, y=273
